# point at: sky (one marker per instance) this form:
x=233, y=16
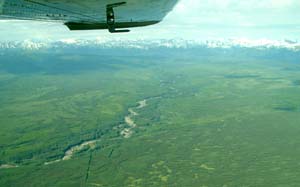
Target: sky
x=190, y=19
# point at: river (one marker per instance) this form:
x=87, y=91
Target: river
x=126, y=133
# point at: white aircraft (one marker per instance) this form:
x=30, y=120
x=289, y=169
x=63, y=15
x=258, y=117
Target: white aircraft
x=89, y=14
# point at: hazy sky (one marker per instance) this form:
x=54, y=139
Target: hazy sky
x=192, y=19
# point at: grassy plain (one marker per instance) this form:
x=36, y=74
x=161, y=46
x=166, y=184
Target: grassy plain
x=210, y=120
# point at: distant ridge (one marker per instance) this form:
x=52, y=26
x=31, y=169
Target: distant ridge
x=145, y=44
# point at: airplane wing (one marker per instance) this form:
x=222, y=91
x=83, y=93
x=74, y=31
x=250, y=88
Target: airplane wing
x=89, y=14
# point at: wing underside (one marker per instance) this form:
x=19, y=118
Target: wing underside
x=88, y=14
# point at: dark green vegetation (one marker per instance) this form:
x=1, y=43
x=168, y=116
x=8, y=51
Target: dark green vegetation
x=212, y=118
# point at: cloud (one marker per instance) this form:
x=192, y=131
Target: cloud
x=236, y=12
x=237, y=5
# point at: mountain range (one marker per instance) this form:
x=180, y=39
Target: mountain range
x=145, y=44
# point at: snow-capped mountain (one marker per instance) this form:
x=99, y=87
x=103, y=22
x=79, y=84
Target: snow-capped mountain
x=149, y=44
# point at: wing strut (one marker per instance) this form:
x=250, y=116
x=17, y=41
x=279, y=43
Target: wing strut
x=110, y=17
